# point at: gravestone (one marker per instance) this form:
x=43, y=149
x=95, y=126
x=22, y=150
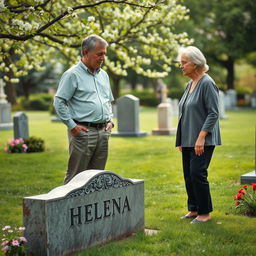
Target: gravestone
x=250, y=177
x=94, y=207
x=253, y=99
x=128, y=117
x=164, y=116
x=5, y=110
x=223, y=116
x=20, y=121
x=231, y=99
x=175, y=106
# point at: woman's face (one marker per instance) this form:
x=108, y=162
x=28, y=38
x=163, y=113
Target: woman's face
x=186, y=66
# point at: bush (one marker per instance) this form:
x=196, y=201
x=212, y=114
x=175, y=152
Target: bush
x=40, y=101
x=34, y=144
x=175, y=93
x=147, y=98
x=52, y=109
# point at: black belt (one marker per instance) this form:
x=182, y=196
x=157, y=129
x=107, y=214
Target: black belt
x=89, y=124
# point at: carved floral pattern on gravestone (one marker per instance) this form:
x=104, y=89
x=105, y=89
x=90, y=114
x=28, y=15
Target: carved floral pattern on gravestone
x=99, y=183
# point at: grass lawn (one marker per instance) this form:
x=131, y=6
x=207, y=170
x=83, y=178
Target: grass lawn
x=156, y=160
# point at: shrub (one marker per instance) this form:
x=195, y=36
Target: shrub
x=31, y=144
x=34, y=144
x=41, y=101
x=52, y=109
x=147, y=98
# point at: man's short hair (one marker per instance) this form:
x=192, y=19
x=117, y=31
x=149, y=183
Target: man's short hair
x=90, y=41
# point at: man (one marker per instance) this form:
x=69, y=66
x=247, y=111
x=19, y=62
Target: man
x=83, y=103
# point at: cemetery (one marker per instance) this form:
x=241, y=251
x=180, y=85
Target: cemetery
x=51, y=57
x=151, y=159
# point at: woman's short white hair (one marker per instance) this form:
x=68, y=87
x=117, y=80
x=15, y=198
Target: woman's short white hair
x=195, y=56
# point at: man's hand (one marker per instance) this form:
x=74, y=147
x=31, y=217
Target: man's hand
x=77, y=129
x=109, y=126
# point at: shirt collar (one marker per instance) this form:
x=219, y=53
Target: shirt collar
x=83, y=66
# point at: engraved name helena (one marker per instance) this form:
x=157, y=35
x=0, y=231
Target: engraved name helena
x=98, y=210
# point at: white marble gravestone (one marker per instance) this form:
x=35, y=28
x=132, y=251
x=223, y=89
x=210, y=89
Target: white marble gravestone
x=5, y=110
x=20, y=121
x=94, y=207
x=223, y=115
x=128, y=117
x=164, y=113
x=231, y=99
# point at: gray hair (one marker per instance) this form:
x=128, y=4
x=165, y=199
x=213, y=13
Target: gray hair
x=90, y=41
x=195, y=56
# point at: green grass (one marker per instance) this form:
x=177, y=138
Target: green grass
x=156, y=160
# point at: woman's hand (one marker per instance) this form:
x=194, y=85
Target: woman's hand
x=199, y=146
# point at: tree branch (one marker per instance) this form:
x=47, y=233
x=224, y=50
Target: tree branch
x=25, y=7
x=44, y=27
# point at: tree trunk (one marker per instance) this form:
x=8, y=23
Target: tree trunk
x=116, y=82
x=10, y=91
x=231, y=73
x=229, y=66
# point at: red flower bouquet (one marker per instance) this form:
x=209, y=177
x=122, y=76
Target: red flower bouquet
x=246, y=200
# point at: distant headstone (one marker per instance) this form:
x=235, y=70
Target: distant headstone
x=20, y=121
x=164, y=116
x=114, y=110
x=231, y=99
x=94, y=207
x=5, y=110
x=175, y=106
x=223, y=116
x=55, y=119
x=128, y=117
x=253, y=99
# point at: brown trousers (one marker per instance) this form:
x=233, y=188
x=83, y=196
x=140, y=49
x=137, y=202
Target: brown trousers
x=87, y=150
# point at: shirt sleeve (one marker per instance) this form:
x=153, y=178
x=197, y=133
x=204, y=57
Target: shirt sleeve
x=211, y=101
x=66, y=89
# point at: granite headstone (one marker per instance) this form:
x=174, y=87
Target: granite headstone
x=128, y=117
x=20, y=121
x=94, y=207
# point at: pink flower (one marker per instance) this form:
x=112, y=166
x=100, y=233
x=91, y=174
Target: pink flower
x=23, y=239
x=15, y=243
x=5, y=242
x=25, y=147
x=5, y=249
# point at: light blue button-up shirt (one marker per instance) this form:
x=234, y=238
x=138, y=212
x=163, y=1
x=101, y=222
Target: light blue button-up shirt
x=83, y=96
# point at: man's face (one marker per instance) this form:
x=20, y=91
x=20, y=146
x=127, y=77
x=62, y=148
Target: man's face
x=95, y=57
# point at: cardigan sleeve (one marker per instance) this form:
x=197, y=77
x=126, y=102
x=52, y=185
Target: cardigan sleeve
x=211, y=102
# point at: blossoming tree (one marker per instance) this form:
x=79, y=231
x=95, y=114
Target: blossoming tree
x=139, y=34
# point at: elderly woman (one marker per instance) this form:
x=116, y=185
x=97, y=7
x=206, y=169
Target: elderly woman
x=198, y=131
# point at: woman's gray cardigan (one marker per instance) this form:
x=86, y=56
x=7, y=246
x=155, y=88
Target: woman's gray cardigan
x=199, y=110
